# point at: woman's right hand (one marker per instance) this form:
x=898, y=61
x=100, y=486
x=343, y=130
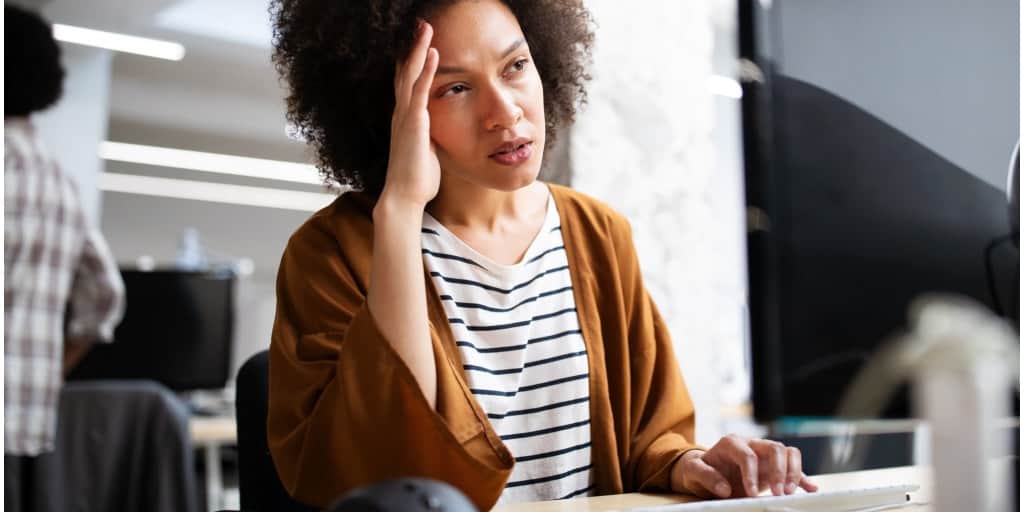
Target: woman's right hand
x=414, y=173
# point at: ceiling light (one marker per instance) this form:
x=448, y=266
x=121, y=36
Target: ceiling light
x=118, y=42
x=215, y=192
x=210, y=162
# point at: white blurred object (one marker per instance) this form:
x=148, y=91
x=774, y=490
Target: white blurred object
x=725, y=86
x=190, y=252
x=145, y=263
x=963, y=361
x=244, y=267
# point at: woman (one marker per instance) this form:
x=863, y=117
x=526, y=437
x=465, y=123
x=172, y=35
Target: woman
x=456, y=318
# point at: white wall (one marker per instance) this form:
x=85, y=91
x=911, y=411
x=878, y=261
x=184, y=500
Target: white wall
x=74, y=127
x=645, y=144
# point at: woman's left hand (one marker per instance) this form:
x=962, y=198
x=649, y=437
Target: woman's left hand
x=736, y=467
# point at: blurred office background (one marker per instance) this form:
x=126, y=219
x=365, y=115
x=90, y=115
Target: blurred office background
x=660, y=140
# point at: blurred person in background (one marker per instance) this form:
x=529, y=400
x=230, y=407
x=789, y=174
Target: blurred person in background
x=62, y=288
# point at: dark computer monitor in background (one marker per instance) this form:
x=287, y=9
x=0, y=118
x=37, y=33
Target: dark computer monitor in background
x=177, y=330
x=855, y=206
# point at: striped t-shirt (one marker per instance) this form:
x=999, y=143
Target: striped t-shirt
x=523, y=354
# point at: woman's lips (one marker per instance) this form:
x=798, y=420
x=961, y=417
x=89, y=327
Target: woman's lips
x=517, y=156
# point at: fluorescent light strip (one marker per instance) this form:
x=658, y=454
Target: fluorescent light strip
x=210, y=162
x=118, y=42
x=215, y=192
x=724, y=86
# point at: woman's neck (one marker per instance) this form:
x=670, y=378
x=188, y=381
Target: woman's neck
x=467, y=206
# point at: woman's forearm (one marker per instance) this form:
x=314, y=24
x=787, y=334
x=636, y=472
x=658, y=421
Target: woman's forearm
x=397, y=295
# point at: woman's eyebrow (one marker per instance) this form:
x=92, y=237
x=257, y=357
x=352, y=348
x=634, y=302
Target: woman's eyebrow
x=443, y=70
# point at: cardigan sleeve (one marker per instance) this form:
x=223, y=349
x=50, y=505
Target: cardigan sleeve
x=344, y=410
x=662, y=416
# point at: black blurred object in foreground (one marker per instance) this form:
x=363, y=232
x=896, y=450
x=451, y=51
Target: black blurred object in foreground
x=405, y=494
x=854, y=208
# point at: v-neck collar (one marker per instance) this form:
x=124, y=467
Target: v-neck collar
x=537, y=244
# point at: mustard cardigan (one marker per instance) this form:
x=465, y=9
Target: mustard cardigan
x=345, y=410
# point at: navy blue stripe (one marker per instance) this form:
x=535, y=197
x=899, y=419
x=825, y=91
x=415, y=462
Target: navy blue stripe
x=541, y=255
x=553, y=336
x=553, y=359
x=548, y=407
x=556, y=228
x=530, y=364
x=531, y=387
x=554, y=453
x=495, y=288
x=545, y=430
x=492, y=372
x=510, y=348
x=429, y=231
x=452, y=257
x=541, y=480
x=577, y=493
x=472, y=305
x=500, y=327
x=555, y=382
x=491, y=392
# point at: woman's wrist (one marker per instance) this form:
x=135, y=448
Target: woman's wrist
x=394, y=206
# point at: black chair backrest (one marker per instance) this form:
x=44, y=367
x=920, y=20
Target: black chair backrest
x=259, y=487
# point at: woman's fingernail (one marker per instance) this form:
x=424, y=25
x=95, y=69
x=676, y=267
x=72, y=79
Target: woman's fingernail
x=790, y=488
x=722, y=490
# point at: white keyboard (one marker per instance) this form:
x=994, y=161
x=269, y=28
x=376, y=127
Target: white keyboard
x=856, y=500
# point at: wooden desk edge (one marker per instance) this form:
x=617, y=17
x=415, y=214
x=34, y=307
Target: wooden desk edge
x=915, y=475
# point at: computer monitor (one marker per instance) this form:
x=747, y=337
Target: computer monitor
x=854, y=204
x=176, y=330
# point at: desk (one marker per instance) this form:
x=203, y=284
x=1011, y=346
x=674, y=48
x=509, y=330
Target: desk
x=917, y=475
x=210, y=433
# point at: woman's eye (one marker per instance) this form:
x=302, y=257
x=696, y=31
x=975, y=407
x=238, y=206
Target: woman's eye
x=519, y=65
x=455, y=89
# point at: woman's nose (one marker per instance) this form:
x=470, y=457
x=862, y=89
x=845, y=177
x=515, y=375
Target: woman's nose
x=504, y=113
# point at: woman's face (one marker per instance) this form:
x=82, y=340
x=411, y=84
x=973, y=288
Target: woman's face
x=486, y=103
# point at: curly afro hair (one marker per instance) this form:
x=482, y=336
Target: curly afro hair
x=338, y=58
x=33, y=78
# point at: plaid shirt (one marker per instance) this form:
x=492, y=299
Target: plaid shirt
x=54, y=261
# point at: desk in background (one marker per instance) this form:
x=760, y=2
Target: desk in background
x=211, y=433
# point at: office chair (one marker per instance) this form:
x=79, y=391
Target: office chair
x=259, y=487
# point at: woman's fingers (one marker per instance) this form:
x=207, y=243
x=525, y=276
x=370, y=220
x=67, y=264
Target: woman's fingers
x=794, y=471
x=773, y=460
x=411, y=69
x=753, y=464
x=710, y=481
x=807, y=485
x=745, y=460
x=421, y=89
